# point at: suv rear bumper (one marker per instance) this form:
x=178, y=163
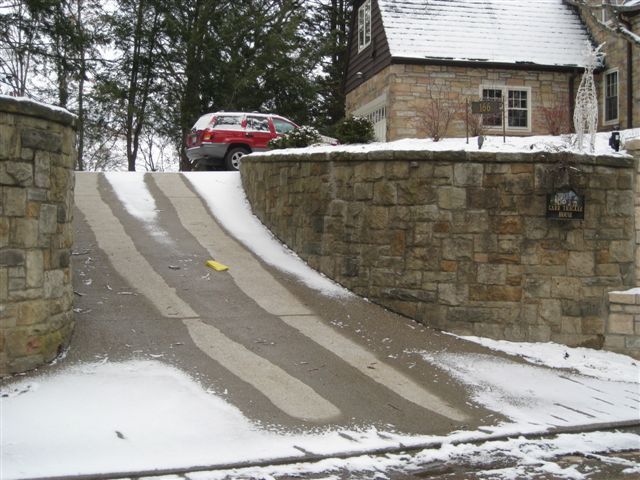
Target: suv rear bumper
x=213, y=151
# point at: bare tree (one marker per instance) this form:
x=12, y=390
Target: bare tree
x=17, y=38
x=556, y=117
x=439, y=113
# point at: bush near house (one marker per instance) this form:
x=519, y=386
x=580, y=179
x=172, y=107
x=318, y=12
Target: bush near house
x=298, y=138
x=355, y=130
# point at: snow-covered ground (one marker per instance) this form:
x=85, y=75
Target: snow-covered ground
x=545, y=143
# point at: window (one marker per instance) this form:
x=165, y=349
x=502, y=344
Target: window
x=364, y=25
x=610, y=96
x=282, y=126
x=518, y=105
x=258, y=124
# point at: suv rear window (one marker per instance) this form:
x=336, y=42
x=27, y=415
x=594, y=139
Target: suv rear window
x=202, y=123
x=227, y=122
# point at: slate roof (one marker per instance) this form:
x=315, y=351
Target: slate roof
x=542, y=32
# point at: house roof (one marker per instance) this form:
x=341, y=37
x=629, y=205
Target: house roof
x=541, y=32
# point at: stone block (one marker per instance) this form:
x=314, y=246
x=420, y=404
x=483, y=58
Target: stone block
x=538, y=333
x=14, y=201
x=32, y=312
x=621, y=251
x=11, y=257
x=24, y=232
x=385, y=193
x=19, y=174
x=581, y=264
x=38, y=139
x=452, y=198
x=484, y=293
x=54, y=284
x=35, y=268
x=48, y=223
x=621, y=324
x=42, y=170
x=593, y=325
x=452, y=294
x=4, y=232
x=468, y=174
x=489, y=274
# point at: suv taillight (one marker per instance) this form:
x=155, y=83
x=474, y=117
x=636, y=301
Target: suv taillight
x=207, y=136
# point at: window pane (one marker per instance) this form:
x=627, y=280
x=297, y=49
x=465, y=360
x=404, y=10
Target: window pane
x=611, y=96
x=492, y=120
x=282, y=126
x=518, y=118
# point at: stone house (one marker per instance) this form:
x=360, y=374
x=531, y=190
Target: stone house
x=413, y=62
x=619, y=80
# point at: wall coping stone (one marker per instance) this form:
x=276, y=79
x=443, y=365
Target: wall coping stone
x=449, y=156
x=31, y=108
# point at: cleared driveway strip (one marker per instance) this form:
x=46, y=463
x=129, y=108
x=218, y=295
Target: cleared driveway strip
x=267, y=292
x=286, y=392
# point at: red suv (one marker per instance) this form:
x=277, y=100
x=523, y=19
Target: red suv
x=224, y=137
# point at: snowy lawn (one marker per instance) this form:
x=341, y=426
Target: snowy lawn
x=543, y=143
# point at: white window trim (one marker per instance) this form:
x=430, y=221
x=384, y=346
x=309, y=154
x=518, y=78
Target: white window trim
x=363, y=8
x=505, y=99
x=616, y=120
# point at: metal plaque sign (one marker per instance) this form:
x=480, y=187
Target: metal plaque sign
x=565, y=205
x=486, y=106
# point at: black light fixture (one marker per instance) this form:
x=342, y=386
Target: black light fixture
x=614, y=141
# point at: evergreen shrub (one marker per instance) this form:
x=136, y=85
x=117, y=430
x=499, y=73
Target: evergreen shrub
x=355, y=130
x=298, y=138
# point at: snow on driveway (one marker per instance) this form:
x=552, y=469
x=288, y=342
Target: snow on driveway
x=146, y=415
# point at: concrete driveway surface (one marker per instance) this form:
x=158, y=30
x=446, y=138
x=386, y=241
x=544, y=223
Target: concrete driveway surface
x=289, y=358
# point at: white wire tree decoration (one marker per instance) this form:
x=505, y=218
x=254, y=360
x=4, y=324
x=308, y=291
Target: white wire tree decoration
x=585, y=115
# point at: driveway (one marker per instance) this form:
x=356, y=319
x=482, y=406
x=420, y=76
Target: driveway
x=177, y=365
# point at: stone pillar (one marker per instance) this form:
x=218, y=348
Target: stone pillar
x=37, y=158
x=633, y=148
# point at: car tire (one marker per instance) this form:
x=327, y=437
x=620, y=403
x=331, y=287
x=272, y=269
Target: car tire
x=233, y=156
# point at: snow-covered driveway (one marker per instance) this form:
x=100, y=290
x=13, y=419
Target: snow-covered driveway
x=175, y=365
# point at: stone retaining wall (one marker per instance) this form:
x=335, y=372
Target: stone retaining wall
x=458, y=240
x=37, y=158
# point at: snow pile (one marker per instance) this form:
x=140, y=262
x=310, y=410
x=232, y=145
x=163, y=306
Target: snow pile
x=536, y=398
x=141, y=415
x=542, y=143
x=223, y=193
x=138, y=201
x=145, y=415
x=586, y=361
x=531, y=457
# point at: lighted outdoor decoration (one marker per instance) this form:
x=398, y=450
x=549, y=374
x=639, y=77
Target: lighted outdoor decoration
x=585, y=116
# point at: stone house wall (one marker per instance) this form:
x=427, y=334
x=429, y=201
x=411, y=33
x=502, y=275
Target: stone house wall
x=615, y=50
x=37, y=158
x=408, y=97
x=459, y=240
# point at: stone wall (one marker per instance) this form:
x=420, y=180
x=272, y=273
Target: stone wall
x=458, y=240
x=37, y=158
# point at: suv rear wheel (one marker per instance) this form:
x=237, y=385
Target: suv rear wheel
x=233, y=156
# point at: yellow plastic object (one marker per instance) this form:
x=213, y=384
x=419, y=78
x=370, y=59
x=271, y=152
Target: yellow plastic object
x=217, y=266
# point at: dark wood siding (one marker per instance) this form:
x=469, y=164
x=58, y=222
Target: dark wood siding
x=373, y=58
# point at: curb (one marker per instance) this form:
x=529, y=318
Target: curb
x=312, y=458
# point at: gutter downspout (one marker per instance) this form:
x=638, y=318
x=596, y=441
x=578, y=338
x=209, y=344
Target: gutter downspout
x=627, y=24
x=572, y=97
